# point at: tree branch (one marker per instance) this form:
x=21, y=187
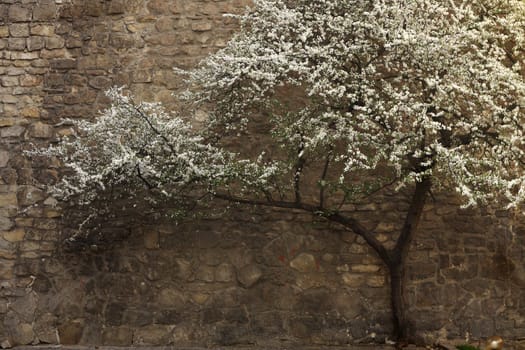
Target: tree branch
x=298, y=171
x=323, y=177
x=345, y=221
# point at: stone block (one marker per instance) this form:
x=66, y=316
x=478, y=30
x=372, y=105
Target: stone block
x=8, y=200
x=70, y=332
x=16, y=44
x=201, y=26
x=5, y=223
x=117, y=336
x=30, y=80
x=100, y=82
x=116, y=7
x=18, y=13
x=304, y=262
x=43, y=29
x=353, y=280
x=41, y=130
x=46, y=10
x=9, y=81
x=54, y=42
x=23, y=56
x=4, y=158
x=45, y=329
x=142, y=76
x=153, y=335
x=19, y=30
x=158, y=7
x=63, y=63
x=224, y=273
x=4, y=31
x=249, y=275
x=13, y=236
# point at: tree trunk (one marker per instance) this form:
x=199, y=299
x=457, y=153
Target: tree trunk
x=397, y=259
x=401, y=326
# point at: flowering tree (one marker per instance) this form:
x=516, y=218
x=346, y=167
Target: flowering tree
x=418, y=94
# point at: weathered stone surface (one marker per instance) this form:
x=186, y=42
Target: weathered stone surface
x=202, y=283
x=249, y=275
x=18, y=13
x=45, y=329
x=46, y=10
x=153, y=335
x=70, y=332
x=19, y=30
x=117, y=336
x=224, y=273
x=29, y=195
x=304, y=262
x=41, y=130
x=15, y=235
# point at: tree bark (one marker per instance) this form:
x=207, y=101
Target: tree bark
x=401, y=326
x=402, y=329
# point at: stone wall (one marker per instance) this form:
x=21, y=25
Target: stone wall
x=250, y=277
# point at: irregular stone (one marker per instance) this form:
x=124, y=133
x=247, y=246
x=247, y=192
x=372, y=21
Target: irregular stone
x=201, y=26
x=4, y=158
x=304, y=262
x=70, y=333
x=224, y=273
x=353, y=280
x=29, y=195
x=9, y=81
x=158, y=7
x=8, y=200
x=41, y=130
x=117, y=336
x=171, y=297
x=142, y=76
x=43, y=30
x=6, y=344
x=100, y=82
x=45, y=329
x=153, y=335
x=19, y=30
x=55, y=42
x=12, y=131
x=16, y=44
x=16, y=235
x=116, y=7
x=46, y=10
x=200, y=298
x=5, y=223
x=64, y=63
x=19, y=14
x=249, y=275
x=375, y=281
x=4, y=31
x=25, y=307
x=205, y=273
x=23, y=335
x=30, y=112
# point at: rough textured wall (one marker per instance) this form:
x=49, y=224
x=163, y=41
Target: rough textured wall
x=252, y=277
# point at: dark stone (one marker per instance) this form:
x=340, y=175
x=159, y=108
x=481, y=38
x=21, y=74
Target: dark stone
x=168, y=317
x=114, y=313
x=211, y=315
x=237, y=315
